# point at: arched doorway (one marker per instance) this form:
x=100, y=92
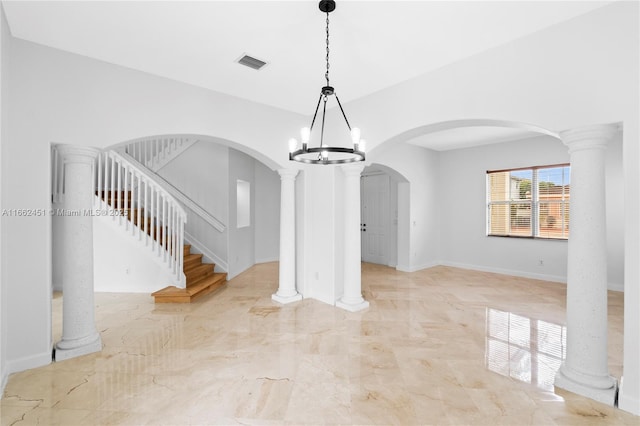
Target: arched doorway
x=384, y=212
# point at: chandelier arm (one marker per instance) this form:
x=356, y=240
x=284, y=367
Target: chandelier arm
x=343, y=114
x=315, y=113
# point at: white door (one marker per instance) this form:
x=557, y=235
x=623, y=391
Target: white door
x=375, y=218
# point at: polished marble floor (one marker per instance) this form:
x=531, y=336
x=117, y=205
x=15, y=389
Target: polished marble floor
x=439, y=346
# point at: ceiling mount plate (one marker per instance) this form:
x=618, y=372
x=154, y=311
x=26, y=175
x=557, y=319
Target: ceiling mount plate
x=327, y=6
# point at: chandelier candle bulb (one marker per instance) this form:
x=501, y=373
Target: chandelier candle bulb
x=355, y=137
x=293, y=144
x=305, y=134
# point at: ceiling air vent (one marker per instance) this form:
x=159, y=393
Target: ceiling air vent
x=251, y=62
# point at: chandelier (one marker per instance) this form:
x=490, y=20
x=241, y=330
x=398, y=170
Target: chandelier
x=325, y=154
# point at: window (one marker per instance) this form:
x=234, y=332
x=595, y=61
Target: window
x=531, y=202
x=243, y=199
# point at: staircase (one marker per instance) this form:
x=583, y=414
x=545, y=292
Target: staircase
x=150, y=214
x=201, y=280
x=200, y=277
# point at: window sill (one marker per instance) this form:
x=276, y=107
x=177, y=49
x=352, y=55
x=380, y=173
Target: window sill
x=527, y=237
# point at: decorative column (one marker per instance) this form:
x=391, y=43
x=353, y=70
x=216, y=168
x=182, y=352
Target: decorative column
x=352, y=299
x=287, y=286
x=79, y=334
x=585, y=370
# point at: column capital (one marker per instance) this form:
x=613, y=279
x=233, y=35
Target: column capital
x=596, y=136
x=353, y=169
x=289, y=174
x=76, y=152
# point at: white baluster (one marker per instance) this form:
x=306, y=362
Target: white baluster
x=180, y=252
x=164, y=229
x=100, y=171
x=126, y=198
x=139, y=207
x=119, y=193
x=145, y=224
x=113, y=167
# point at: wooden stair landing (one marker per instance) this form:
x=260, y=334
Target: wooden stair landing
x=201, y=280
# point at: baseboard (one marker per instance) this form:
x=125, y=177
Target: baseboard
x=267, y=260
x=512, y=272
x=406, y=268
x=3, y=382
x=26, y=363
x=208, y=255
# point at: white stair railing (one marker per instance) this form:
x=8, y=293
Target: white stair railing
x=156, y=153
x=142, y=208
x=204, y=231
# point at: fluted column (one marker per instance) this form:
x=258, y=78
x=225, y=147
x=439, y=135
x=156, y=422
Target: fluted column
x=585, y=370
x=79, y=334
x=287, y=292
x=352, y=299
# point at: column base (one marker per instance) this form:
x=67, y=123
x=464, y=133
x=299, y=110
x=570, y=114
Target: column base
x=286, y=299
x=564, y=380
x=352, y=307
x=62, y=352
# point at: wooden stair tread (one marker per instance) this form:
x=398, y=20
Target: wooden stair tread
x=204, y=285
x=192, y=259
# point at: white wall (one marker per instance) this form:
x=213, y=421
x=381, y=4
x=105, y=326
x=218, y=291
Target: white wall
x=563, y=77
x=122, y=263
x=462, y=203
x=241, y=240
x=66, y=98
x=4, y=82
x=420, y=167
x=319, y=233
x=202, y=173
x=566, y=76
x=267, y=213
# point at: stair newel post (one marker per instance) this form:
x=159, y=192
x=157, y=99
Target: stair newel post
x=79, y=333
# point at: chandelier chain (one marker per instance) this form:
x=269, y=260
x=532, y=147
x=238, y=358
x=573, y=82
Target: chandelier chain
x=326, y=75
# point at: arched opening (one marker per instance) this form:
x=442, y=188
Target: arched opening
x=204, y=172
x=385, y=221
x=420, y=155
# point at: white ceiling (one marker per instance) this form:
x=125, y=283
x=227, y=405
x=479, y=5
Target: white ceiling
x=467, y=136
x=374, y=44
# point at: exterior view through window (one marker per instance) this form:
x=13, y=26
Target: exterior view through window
x=529, y=202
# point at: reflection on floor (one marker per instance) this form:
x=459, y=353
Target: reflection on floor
x=523, y=348
x=439, y=346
